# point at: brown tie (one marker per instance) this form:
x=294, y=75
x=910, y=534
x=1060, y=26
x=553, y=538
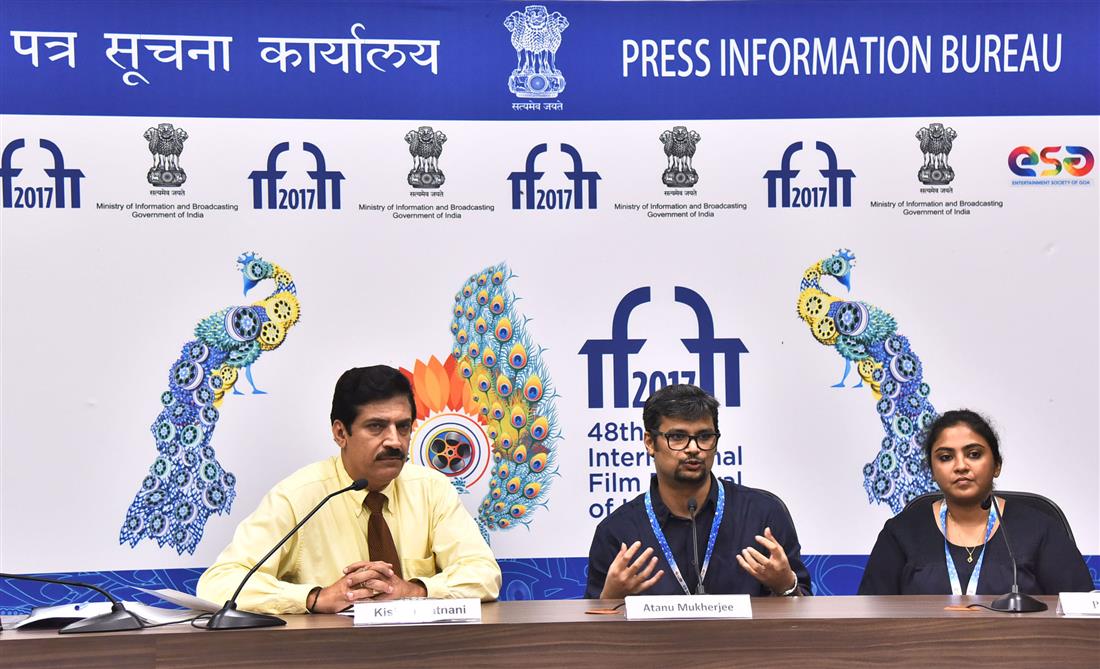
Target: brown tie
x=379, y=540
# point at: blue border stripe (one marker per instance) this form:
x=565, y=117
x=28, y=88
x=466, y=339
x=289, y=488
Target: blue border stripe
x=476, y=59
x=532, y=578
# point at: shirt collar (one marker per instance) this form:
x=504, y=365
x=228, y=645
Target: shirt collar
x=344, y=479
x=662, y=511
x=360, y=496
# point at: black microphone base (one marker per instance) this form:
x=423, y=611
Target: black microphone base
x=231, y=618
x=1015, y=602
x=117, y=620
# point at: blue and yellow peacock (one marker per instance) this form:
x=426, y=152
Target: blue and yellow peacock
x=492, y=394
x=512, y=391
x=867, y=336
x=186, y=483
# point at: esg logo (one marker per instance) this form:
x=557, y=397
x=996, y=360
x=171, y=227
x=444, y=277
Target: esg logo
x=620, y=347
x=1023, y=158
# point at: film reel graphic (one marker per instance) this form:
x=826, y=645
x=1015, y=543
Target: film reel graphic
x=455, y=445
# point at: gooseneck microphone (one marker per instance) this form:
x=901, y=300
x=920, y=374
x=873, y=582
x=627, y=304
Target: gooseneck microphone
x=116, y=620
x=699, y=590
x=1015, y=601
x=230, y=617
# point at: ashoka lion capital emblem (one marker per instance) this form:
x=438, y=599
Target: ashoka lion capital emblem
x=166, y=145
x=679, y=146
x=536, y=36
x=935, y=143
x=425, y=146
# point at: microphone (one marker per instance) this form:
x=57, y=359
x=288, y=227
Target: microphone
x=1015, y=601
x=118, y=619
x=699, y=590
x=229, y=617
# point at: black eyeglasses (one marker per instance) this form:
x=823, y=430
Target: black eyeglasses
x=678, y=441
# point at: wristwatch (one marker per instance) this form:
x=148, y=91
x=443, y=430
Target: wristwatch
x=792, y=590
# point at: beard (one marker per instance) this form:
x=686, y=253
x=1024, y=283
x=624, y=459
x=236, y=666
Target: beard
x=683, y=476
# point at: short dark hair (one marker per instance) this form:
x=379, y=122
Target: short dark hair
x=363, y=385
x=972, y=419
x=679, y=401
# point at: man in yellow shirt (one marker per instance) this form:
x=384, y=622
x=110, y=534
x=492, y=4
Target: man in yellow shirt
x=424, y=543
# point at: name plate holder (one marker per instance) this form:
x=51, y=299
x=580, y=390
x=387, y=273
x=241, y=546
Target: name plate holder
x=1079, y=603
x=417, y=612
x=687, y=607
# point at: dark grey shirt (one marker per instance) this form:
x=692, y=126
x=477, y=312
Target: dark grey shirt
x=748, y=511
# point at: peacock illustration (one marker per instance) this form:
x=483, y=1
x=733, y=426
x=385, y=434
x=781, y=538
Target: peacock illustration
x=867, y=336
x=489, y=409
x=186, y=483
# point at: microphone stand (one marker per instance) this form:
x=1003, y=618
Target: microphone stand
x=699, y=589
x=1015, y=601
x=117, y=620
x=229, y=616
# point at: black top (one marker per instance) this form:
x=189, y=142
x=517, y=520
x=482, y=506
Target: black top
x=748, y=512
x=908, y=557
x=965, y=559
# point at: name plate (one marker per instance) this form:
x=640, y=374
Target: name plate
x=417, y=611
x=671, y=607
x=1079, y=603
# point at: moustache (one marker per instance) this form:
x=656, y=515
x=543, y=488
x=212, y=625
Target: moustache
x=391, y=454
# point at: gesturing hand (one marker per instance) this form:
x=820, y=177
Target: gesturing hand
x=773, y=571
x=630, y=576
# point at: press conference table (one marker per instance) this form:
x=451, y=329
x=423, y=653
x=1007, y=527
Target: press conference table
x=783, y=632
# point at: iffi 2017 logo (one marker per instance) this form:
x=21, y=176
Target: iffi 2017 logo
x=267, y=192
x=64, y=192
x=536, y=36
x=1077, y=162
x=527, y=195
x=620, y=347
x=837, y=187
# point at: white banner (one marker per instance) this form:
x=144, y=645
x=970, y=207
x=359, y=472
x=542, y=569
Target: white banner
x=996, y=294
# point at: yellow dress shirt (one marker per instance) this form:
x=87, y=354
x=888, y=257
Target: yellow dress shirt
x=438, y=541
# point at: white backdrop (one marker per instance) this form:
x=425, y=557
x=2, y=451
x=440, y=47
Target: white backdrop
x=1000, y=305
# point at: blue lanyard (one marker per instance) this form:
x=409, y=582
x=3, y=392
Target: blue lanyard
x=952, y=573
x=664, y=542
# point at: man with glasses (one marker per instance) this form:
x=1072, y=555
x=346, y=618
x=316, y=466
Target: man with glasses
x=745, y=542
x=406, y=535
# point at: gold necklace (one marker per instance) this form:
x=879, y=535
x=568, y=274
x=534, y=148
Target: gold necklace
x=969, y=550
